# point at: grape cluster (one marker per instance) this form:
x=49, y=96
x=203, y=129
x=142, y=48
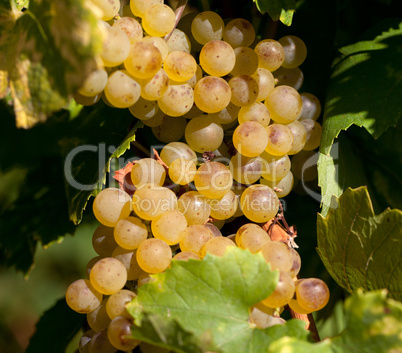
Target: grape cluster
x=177, y=204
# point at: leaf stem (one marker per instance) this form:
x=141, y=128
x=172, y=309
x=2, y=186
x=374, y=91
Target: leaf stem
x=179, y=12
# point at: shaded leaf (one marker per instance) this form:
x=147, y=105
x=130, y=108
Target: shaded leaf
x=278, y=9
x=361, y=249
x=211, y=298
x=55, y=329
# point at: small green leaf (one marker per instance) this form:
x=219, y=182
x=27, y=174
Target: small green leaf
x=365, y=87
x=278, y=9
x=211, y=299
x=55, y=329
x=361, y=249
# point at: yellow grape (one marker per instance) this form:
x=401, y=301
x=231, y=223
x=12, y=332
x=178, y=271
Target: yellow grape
x=108, y=275
x=147, y=171
x=130, y=232
x=180, y=66
x=216, y=246
x=244, y=90
x=270, y=54
x=213, y=180
x=217, y=58
x=122, y=90
x=169, y=226
x=82, y=297
x=212, y=94
x=158, y=20
x=280, y=140
x=250, y=139
x=154, y=255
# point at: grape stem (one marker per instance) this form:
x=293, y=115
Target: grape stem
x=179, y=12
x=291, y=231
x=310, y=323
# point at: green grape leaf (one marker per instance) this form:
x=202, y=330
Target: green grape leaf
x=360, y=249
x=210, y=299
x=55, y=329
x=373, y=325
x=278, y=9
x=365, y=87
x=99, y=135
x=47, y=51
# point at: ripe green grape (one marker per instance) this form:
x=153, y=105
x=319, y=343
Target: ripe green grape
x=252, y=237
x=213, y=180
x=194, y=207
x=283, y=292
x=109, y=8
x=217, y=58
x=246, y=170
x=194, y=238
x=212, y=94
x=259, y=203
x=158, y=20
x=250, y=139
x=144, y=60
x=130, y=232
x=182, y=171
x=275, y=168
x=147, y=171
x=295, y=51
x=175, y=150
x=82, y=297
x=304, y=165
x=246, y=61
x=98, y=319
x=202, y=134
x=270, y=54
x=311, y=107
x=131, y=27
x=160, y=43
x=278, y=255
x=144, y=109
x=244, y=90
x=153, y=88
x=312, y=293
x=226, y=115
x=265, y=81
x=129, y=260
x=256, y=112
x=225, y=207
x=285, y=184
x=110, y=205
x=289, y=77
x=151, y=201
x=108, y=275
x=100, y=343
x=177, y=100
x=119, y=334
x=103, y=240
x=122, y=90
x=116, y=303
x=284, y=104
x=116, y=47
x=207, y=26
x=299, y=136
x=154, y=255
x=186, y=255
x=216, y=246
x=313, y=131
x=172, y=129
x=178, y=41
x=280, y=140
x=139, y=7
x=239, y=33
x=180, y=66
x=94, y=83
x=169, y=226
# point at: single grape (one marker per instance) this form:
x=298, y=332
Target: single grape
x=217, y=58
x=116, y=47
x=283, y=292
x=177, y=100
x=216, y=246
x=207, y=26
x=212, y=94
x=275, y=168
x=313, y=131
x=296, y=266
x=110, y=205
x=312, y=293
x=256, y=112
x=246, y=170
x=259, y=203
x=130, y=232
x=139, y=7
x=158, y=20
x=119, y=334
x=83, y=346
x=154, y=255
x=108, y=275
x=172, y=129
x=311, y=107
x=194, y=207
x=295, y=51
x=239, y=33
x=147, y=171
x=263, y=320
x=299, y=136
x=144, y=109
x=91, y=263
x=250, y=139
x=178, y=41
x=160, y=43
x=244, y=90
x=280, y=140
x=186, y=255
x=289, y=77
x=246, y=61
x=94, y=83
x=180, y=66
x=202, y=134
x=82, y=297
x=131, y=27
x=122, y=90
x=213, y=180
x=116, y=303
x=156, y=120
x=129, y=260
x=101, y=344
x=182, y=171
x=225, y=207
x=175, y=150
x=98, y=319
x=278, y=255
x=169, y=226
x=270, y=54
x=294, y=305
x=154, y=88
x=252, y=237
x=284, y=104
x=103, y=240
x=109, y=8
x=265, y=81
x=195, y=236
x=285, y=184
x=213, y=227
